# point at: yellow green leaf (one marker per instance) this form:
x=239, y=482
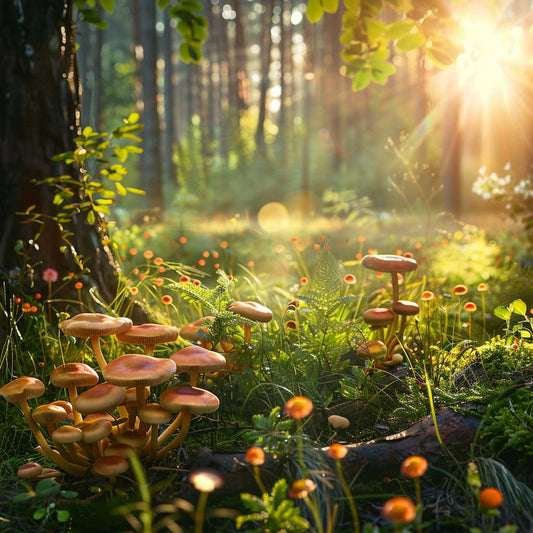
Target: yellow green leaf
x=314, y=11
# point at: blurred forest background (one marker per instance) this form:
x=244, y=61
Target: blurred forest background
x=267, y=115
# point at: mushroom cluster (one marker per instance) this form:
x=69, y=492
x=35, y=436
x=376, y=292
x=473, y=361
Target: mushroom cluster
x=388, y=324
x=102, y=425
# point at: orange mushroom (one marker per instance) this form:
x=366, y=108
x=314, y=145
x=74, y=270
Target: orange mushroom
x=148, y=335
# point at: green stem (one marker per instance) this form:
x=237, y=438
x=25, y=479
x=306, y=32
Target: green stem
x=316, y=515
x=418, y=493
x=200, y=513
x=349, y=496
x=259, y=481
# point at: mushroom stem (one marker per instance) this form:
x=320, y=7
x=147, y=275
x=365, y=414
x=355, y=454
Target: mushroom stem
x=194, y=377
x=395, y=287
x=247, y=332
x=399, y=335
x=185, y=425
x=149, y=349
x=95, y=343
x=73, y=394
x=170, y=429
x=153, y=442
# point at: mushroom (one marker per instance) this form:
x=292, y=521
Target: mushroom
x=189, y=401
x=378, y=318
x=195, y=359
x=71, y=376
x=123, y=450
x=130, y=404
x=139, y=371
x=403, y=308
x=251, y=311
x=338, y=422
x=94, y=326
x=65, y=437
x=149, y=335
x=372, y=349
x=47, y=415
x=19, y=391
x=100, y=398
x=154, y=415
x=94, y=432
x=110, y=466
x=197, y=331
x=29, y=470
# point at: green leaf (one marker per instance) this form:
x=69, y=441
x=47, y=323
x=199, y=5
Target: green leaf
x=163, y=4
x=39, y=513
x=374, y=29
x=102, y=209
x=63, y=516
x=69, y=494
x=502, y=312
x=362, y=79
x=47, y=488
x=108, y=5
x=383, y=67
x=398, y=29
x=411, y=41
x=92, y=16
x=352, y=5
x=314, y=11
x=87, y=131
x=22, y=497
x=330, y=6
x=519, y=307
x=91, y=219
x=439, y=57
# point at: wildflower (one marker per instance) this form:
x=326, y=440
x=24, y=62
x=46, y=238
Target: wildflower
x=205, y=480
x=158, y=261
x=159, y=282
x=361, y=238
x=134, y=290
x=349, y=279
x=294, y=239
x=78, y=285
x=196, y=282
x=146, y=235
x=184, y=279
x=399, y=510
x=50, y=275
x=205, y=254
x=316, y=246
x=337, y=451
x=414, y=466
x=490, y=498
x=301, y=488
x=38, y=296
x=418, y=245
x=33, y=309
x=298, y=407
x=251, y=264
x=18, y=299
x=427, y=296
x=134, y=251
x=166, y=299
x=148, y=254
x=224, y=244
x=255, y=456
x=482, y=287
x=142, y=277
x=408, y=255
x=201, y=262
x=291, y=324
x=304, y=281
x=216, y=255
x=460, y=290
x=183, y=240
x=41, y=364
x=135, y=271
x=217, y=265
x=26, y=307
x=398, y=251
x=470, y=307
x=162, y=269
x=358, y=255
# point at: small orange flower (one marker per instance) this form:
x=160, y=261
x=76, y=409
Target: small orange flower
x=408, y=255
x=201, y=262
x=470, y=307
x=337, y=451
x=230, y=278
x=216, y=255
x=162, y=269
x=251, y=264
x=18, y=299
x=291, y=324
x=295, y=239
x=304, y=281
x=255, y=456
x=418, y=245
x=205, y=254
x=316, y=246
x=399, y=510
x=33, y=309
x=38, y=296
x=159, y=282
x=166, y=299
x=398, y=251
x=158, y=261
x=445, y=242
x=217, y=265
x=142, y=277
x=183, y=240
x=146, y=235
x=148, y=254
x=427, y=296
x=482, y=287
x=460, y=290
x=78, y=285
x=298, y=407
x=135, y=271
x=196, y=282
x=349, y=279
x=224, y=244
x=301, y=488
x=134, y=251
x=361, y=238
x=184, y=279
x=490, y=498
x=26, y=307
x=134, y=290
x=414, y=466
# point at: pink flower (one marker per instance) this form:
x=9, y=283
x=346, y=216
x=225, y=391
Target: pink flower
x=50, y=275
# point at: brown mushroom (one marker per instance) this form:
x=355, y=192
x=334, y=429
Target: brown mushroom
x=94, y=432
x=110, y=466
x=403, y=308
x=148, y=335
x=29, y=470
x=379, y=318
x=47, y=415
x=100, y=398
x=154, y=415
x=195, y=359
x=65, y=437
x=94, y=326
x=251, y=311
x=197, y=332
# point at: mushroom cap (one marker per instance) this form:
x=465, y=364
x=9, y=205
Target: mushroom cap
x=67, y=435
x=338, y=422
x=148, y=334
x=122, y=450
x=95, y=431
x=132, y=438
x=195, y=331
x=49, y=414
x=372, y=349
x=378, y=316
x=154, y=414
x=87, y=325
x=110, y=465
x=49, y=473
x=100, y=398
x=29, y=470
x=67, y=406
x=194, y=399
x=133, y=370
x=74, y=374
x=251, y=310
x=389, y=263
x=197, y=358
x=93, y=417
x=22, y=388
x=405, y=308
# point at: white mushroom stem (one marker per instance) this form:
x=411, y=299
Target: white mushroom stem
x=95, y=343
x=176, y=423
x=184, y=430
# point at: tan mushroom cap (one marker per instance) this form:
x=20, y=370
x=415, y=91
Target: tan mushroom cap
x=110, y=465
x=95, y=431
x=195, y=400
x=198, y=358
x=94, y=417
x=87, y=325
x=67, y=406
x=389, y=263
x=122, y=450
x=132, y=438
x=29, y=470
x=154, y=414
x=100, y=398
x=49, y=414
x=405, y=308
x=74, y=375
x=378, y=316
x=133, y=370
x=148, y=334
x=372, y=349
x=49, y=473
x=338, y=422
x=67, y=435
x=22, y=388
x=251, y=310
x=196, y=330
